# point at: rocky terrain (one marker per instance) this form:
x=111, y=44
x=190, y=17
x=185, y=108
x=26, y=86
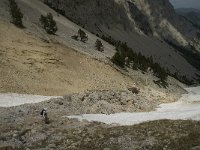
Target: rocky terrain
x=33, y=62
x=23, y=129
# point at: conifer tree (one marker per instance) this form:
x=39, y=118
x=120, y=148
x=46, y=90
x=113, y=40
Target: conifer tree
x=48, y=23
x=99, y=45
x=16, y=14
x=82, y=35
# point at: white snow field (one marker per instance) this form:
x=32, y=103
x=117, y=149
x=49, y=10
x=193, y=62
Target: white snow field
x=188, y=107
x=12, y=99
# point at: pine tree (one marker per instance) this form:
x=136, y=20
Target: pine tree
x=16, y=14
x=48, y=23
x=82, y=35
x=99, y=45
x=118, y=59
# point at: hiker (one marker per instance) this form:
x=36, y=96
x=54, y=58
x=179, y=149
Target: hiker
x=44, y=115
x=44, y=112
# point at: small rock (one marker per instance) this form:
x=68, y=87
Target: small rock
x=52, y=146
x=134, y=90
x=33, y=131
x=15, y=135
x=60, y=103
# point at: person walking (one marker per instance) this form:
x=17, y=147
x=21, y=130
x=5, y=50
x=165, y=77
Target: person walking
x=43, y=113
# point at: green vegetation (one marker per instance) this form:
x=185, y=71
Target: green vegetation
x=118, y=59
x=125, y=56
x=110, y=40
x=48, y=23
x=99, y=45
x=16, y=14
x=82, y=35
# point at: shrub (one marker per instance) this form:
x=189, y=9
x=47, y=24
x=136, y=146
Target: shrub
x=110, y=40
x=48, y=23
x=99, y=45
x=134, y=90
x=82, y=35
x=16, y=14
x=159, y=72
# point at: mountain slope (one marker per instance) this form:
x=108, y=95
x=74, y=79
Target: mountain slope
x=30, y=65
x=143, y=25
x=34, y=62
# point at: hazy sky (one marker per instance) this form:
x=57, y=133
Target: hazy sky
x=186, y=3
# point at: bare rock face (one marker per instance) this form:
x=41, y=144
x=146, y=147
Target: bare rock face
x=92, y=14
x=165, y=22
x=148, y=16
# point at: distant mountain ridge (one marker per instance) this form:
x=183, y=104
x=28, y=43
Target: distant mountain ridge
x=187, y=10
x=186, y=4
x=191, y=14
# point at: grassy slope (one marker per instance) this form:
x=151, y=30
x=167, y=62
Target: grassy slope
x=30, y=65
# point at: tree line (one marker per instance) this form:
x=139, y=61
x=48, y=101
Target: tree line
x=126, y=57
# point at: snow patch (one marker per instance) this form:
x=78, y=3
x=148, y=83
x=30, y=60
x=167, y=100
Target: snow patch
x=188, y=107
x=13, y=99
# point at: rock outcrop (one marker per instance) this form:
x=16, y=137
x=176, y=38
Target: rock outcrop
x=150, y=17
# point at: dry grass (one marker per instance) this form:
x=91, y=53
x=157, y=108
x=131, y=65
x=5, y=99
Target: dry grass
x=30, y=65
